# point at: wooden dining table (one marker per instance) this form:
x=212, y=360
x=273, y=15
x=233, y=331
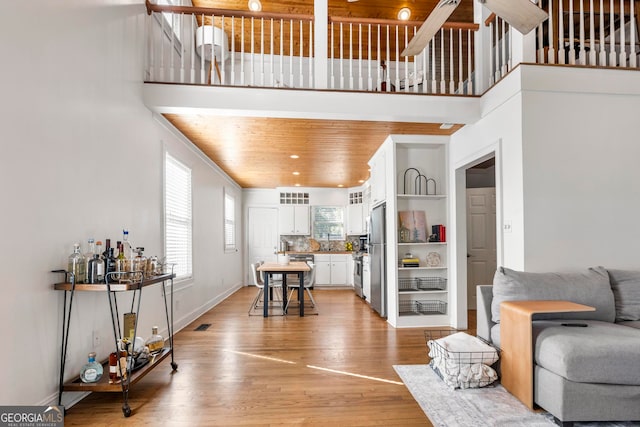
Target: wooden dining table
x=269, y=268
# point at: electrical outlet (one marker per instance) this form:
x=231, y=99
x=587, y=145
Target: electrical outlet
x=96, y=339
x=508, y=227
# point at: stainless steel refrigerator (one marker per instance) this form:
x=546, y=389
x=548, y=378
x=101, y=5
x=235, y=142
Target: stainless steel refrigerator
x=377, y=258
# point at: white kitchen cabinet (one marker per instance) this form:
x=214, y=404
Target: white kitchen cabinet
x=378, y=179
x=331, y=269
x=366, y=278
x=294, y=220
x=350, y=268
x=355, y=220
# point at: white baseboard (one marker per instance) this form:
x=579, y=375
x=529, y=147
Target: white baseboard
x=188, y=318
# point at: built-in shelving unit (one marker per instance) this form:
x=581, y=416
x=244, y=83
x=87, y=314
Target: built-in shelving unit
x=419, y=295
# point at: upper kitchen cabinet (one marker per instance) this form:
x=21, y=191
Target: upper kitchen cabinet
x=378, y=177
x=294, y=220
x=294, y=214
x=356, y=224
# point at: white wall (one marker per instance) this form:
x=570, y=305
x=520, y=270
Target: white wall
x=565, y=142
x=83, y=157
x=581, y=180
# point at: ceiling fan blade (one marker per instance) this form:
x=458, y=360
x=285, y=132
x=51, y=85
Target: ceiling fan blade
x=430, y=27
x=522, y=15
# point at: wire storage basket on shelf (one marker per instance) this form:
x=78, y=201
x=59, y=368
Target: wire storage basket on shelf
x=472, y=368
x=432, y=283
x=408, y=307
x=410, y=284
x=422, y=307
x=432, y=307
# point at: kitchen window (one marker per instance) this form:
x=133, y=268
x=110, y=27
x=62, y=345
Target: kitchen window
x=328, y=222
x=178, y=224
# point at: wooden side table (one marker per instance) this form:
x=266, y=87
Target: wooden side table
x=516, y=341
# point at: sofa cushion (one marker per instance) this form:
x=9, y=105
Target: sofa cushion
x=603, y=352
x=631, y=323
x=590, y=287
x=626, y=293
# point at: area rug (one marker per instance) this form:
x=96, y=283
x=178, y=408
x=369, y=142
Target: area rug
x=489, y=406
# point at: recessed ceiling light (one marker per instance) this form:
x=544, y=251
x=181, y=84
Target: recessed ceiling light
x=340, y=185
x=294, y=156
x=255, y=5
x=446, y=126
x=404, y=14
x=296, y=173
x=361, y=181
x=297, y=185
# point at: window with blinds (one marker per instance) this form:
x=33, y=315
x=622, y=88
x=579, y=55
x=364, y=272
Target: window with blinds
x=328, y=223
x=177, y=217
x=229, y=222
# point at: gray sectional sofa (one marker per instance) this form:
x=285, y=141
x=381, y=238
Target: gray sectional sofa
x=581, y=373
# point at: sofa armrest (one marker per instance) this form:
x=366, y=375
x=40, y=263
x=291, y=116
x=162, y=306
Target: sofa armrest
x=484, y=295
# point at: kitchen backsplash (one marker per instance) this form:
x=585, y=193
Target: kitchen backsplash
x=301, y=243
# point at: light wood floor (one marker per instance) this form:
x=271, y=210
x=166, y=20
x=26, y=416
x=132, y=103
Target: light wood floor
x=334, y=369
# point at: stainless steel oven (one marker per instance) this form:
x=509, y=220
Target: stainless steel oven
x=357, y=274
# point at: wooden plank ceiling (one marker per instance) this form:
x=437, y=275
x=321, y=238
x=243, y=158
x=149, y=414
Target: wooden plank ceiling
x=256, y=152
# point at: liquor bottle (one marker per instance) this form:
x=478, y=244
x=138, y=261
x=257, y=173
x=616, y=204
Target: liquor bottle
x=116, y=374
x=155, y=342
x=128, y=250
x=88, y=256
x=110, y=265
x=77, y=264
x=92, y=371
x=107, y=246
x=140, y=261
x=101, y=267
x=95, y=270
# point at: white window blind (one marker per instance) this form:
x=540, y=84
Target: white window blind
x=328, y=223
x=229, y=222
x=177, y=212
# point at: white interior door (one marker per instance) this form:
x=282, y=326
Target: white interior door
x=481, y=240
x=263, y=237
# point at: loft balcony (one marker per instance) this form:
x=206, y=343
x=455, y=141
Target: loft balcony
x=231, y=48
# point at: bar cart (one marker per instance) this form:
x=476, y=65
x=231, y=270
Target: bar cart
x=116, y=282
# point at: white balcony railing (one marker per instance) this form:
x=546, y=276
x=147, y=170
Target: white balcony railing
x=236, y=48
x=365, y=55
x=599, y=33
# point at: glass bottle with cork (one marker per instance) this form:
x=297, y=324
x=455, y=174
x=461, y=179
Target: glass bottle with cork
x=155, y=342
